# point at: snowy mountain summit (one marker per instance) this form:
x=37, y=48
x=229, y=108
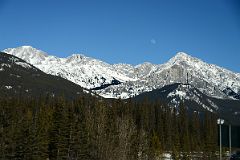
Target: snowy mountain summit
x=125, y=80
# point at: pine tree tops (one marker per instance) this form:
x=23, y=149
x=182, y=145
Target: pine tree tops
x=89, y=128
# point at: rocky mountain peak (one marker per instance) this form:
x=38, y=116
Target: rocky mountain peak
x=182, y=57
x=28, y=53
x=91, y=73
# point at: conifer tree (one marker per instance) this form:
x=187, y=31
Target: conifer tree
x=184, y=132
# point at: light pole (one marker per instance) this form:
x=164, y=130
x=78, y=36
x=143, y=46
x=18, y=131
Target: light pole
x=220, y=122
x=230, y=139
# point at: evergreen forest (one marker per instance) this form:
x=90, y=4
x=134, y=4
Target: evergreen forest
x=89, y=128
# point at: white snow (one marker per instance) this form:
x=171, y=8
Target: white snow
x=85, y=71
x=6, y=65
x=166, y=156
x=181, y=94
x=23, y=64
x=212, y=104
x=90, y=73
x=85, y=91
x=8, y=87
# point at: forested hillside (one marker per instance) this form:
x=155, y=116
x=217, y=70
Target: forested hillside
x=92, y=129
x=19, y=78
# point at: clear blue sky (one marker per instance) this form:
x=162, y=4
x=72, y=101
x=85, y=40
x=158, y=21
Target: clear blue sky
x=128, y=31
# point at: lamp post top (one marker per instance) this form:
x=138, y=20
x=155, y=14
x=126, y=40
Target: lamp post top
x=220, y=121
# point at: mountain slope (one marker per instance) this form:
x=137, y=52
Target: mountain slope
x=201, y=86
x=124, y=80
x=85, y=71
x=194, y=100
x=210, y=79
x=21, y=78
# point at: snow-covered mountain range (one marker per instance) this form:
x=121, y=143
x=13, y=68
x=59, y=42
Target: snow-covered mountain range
x=125, y=80
x=21, y=79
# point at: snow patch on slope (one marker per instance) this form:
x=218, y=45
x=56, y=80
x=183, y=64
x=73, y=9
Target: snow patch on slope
x=187, y=92
x=85, y=71
x=23, y=64
x=91, y=73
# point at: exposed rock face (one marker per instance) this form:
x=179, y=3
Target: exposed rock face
x=132, y=80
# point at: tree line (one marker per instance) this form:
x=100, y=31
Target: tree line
x=89, y=128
